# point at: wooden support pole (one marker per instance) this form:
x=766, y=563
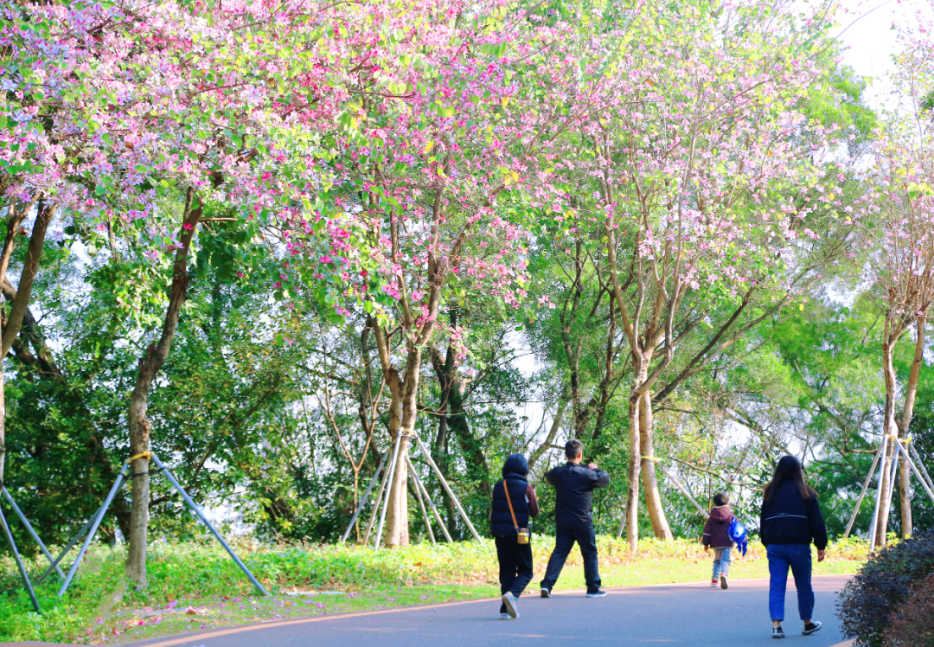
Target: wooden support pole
x=363, y=501
x=447, y=488
x=862, y=494
x=421, y=504
x=431, y=504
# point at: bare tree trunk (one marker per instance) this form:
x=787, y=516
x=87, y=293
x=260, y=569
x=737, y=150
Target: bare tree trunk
x=23, y=294
x=635, y=465
x=911, y=391
x=138, y=421
x=397, y=517
x=653, y=499
x=889, y=427
x=904, y=481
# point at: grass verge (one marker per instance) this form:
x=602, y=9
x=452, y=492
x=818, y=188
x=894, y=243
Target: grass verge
x=195, y=586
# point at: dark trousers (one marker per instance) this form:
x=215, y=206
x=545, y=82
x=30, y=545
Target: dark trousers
x=515, y=566
x=798, y=558
x=564, y=541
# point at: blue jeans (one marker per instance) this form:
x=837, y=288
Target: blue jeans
x=798, y=557
x=721, y=562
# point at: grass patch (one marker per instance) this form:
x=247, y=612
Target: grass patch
x=195, y=586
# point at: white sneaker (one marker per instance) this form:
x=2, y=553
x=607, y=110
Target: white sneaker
x=510, y=601
x=723, y=583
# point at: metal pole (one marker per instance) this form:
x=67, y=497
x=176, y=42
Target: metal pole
x=421, y=504
x=862, y=494
x=19, y=563
x=366, y=495
x=920, y=464
x=914, y=468
x=447, y=488
x=875, y=513
x=376, y=501
x=32, y=532
x=622, y=524
x=68, y=547
x=431, y=504
x=94, y=525
x=682, y=488
x=197, y=511
x=389, y=477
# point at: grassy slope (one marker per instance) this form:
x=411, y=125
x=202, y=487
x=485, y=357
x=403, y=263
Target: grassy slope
x=196, y=586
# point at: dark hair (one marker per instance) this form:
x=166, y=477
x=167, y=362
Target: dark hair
x=516, y=464
x=721, y=498
x=789, y=469
x=573, y=448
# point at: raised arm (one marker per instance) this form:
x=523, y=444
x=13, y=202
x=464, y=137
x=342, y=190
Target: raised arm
x=599, y=477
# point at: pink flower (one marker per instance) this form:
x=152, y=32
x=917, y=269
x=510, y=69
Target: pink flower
x=325, y=259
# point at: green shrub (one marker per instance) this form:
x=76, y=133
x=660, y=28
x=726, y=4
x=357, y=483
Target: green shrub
x=886, y=581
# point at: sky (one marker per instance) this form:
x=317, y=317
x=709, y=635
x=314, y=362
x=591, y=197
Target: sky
x=867, y=34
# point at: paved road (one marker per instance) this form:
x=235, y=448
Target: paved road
x=674, y=616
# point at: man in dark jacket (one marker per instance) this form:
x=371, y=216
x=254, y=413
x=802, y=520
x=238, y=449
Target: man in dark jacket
x=574, y=517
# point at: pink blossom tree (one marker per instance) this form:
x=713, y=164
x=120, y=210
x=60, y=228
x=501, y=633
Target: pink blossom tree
x=896, y=217
x=698, y=160
x=444, y=170
x=145, y=121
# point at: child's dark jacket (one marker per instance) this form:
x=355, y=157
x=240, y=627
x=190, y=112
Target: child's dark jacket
x=717, y=528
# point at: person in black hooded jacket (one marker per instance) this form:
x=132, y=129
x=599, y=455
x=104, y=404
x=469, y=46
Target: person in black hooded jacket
x=515, y=559
x=789, y=522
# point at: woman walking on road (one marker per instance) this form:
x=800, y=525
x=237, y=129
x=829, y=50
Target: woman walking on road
x=790, y=520
x=514, y=502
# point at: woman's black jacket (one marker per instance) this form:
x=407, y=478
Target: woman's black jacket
x=789, y=518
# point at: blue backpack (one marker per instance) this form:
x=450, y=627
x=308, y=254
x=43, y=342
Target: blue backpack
x=739, y=535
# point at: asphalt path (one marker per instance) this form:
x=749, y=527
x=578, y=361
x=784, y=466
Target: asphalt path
x=676, y=615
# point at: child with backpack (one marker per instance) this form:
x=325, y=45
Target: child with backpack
x=717, y=536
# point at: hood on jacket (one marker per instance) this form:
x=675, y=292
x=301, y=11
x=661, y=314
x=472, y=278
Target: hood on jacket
x=721, y=514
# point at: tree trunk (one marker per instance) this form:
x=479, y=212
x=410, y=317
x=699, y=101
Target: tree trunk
x=635, y=464
x=9, y=333
x=453, y=415
x=889, y=428
x=904, y=480
x=397, y=516
x=653, y=499
x=138, y=422
x=911, y=391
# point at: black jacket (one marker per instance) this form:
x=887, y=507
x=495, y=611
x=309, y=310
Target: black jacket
x=791, y=519
x=575, y=485
x=524, y=504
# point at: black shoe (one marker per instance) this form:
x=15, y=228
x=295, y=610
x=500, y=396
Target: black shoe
x=546, y=593
x=597, y=593
x=811, y=628
x=777, y=632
